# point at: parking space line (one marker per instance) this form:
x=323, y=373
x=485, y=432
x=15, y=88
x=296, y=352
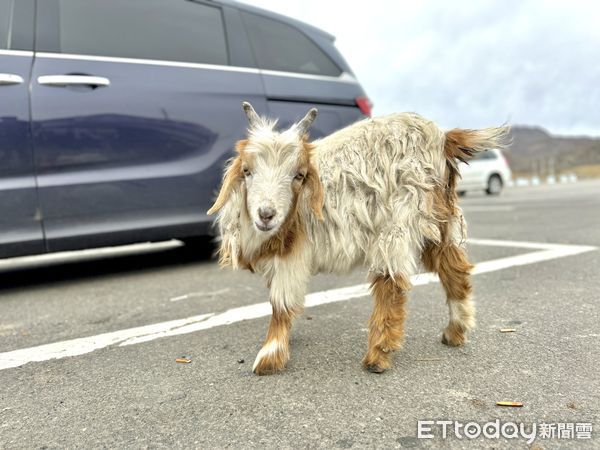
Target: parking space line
x=131, y=336
x=487, y=208
x=199, y=294
x=526, y=244
x=81, y=346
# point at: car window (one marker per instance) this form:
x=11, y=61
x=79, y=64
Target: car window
x=6, y=7
x=487, y=155
x=278, y=46
x=174, y=30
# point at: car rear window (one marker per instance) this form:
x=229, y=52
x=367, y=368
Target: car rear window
x=5, y=17
x=485, y=155
x=278, y=46
x=175, y=30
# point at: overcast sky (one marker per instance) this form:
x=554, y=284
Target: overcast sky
x=470, y=64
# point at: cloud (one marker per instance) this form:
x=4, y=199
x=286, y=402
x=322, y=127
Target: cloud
x=470, y=64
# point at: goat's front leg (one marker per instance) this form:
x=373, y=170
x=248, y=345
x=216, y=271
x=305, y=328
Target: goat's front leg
x=275, y=351
x=386, y=326
x=287, y=288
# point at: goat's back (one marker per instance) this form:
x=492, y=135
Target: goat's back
x=382, y=154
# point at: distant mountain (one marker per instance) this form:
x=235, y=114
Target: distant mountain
x=535, y=150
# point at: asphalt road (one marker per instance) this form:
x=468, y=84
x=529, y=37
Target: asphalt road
x=138, y=396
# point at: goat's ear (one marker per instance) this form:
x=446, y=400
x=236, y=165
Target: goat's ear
x=253, y=118
x=231, y=179
x=317, y=198
x=307, y=121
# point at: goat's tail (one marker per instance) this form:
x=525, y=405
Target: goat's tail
x=463, y=144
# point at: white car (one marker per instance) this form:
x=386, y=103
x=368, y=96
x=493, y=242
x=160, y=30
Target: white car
x=488, y=171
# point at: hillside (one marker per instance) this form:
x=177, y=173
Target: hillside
x=535, y=150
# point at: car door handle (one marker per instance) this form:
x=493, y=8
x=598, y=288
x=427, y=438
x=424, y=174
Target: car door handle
x=73, y=80
x=10, y=78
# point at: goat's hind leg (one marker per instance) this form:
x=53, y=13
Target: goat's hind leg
x=454, y=269
x=386, y=326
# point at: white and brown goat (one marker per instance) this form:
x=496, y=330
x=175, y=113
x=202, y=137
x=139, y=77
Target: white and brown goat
x=379, y=193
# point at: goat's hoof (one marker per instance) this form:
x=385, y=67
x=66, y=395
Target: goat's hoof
x=453, y=339
x=376, y=361
x=263, y=369
x=267, y=366
x=270, y=361
x=374, y=368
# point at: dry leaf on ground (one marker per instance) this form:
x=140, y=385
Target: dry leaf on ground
x=513, y=404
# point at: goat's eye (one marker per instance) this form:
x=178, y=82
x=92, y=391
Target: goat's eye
x=247, y=172
x=299, y=176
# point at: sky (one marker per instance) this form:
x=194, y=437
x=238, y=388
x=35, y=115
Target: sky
x=470, y=63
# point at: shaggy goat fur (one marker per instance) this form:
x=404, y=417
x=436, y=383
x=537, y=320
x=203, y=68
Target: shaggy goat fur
x=379, y=193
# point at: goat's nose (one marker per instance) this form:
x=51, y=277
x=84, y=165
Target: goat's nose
x=266, y=214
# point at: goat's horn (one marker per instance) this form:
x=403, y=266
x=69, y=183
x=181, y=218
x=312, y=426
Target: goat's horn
x=307, y=121
x=250, y=113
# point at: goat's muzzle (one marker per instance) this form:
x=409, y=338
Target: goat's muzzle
x=266, y=215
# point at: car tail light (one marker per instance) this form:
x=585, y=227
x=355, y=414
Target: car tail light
x=364, y=104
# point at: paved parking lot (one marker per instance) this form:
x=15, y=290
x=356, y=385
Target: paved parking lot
x=88, y=344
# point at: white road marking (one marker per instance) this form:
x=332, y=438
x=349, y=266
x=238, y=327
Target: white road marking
x=548, y=252
x=147, y=333
x=199, y=294
x=520, y=244
x=486, y=208
x=85, y=345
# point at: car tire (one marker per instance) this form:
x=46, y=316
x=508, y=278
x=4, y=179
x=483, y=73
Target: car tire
x=203, y=246
x=494, y=185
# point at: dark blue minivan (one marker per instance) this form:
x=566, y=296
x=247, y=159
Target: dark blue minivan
x=116, y=116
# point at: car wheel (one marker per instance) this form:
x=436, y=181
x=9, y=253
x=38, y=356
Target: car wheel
x=203, y=246
x=494, y=185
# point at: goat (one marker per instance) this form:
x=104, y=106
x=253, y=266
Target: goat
x=379, y=193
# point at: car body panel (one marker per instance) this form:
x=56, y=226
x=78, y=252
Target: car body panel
x=330, y=117
x=143, y=152
x=21, y=231
x=20, y=228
